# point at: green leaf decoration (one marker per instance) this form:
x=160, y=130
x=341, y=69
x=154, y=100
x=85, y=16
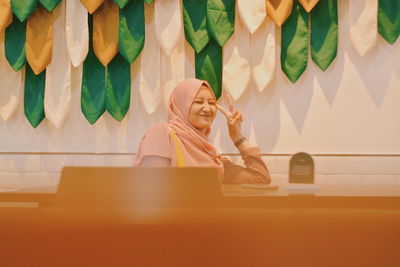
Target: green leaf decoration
x=148, y=1
x=15, y=44
x=23, y=8
x=34, y=96
x=131, y=30
x=50, y=5
x=195, y=23
x=209, y=66
x=294, y=42
x=118, y=87
x=121, y=3
x=389, y=19
x=93, y=96
x=324, y=33
x=221, y=19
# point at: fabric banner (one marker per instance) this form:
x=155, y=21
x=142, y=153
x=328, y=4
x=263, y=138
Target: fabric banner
x=389, y=20
x=252, y=13
x=262, y=47
x=294, y=42
x=168, y=23
x=50, y=5
x=76, y=31
x=236, y=62
x=23, y=8
x=5, y=14
x=279, y=10
x=57, y=94
x=10, y=87
x=221, y=19
x=149, y=77
x=118, y=87
x=363, y=17
x=195, y=23
x=91, y=5
x=308, y=5
x=34, y=96
x=105, y=31
x=209, y=66
x=39, y=39
x=15, y=38
x=324, y=33
x=121, y=3
x=172, y=68
x=93, y=95
x=131, y=30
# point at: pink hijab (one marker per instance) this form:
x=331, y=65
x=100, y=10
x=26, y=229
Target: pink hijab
x=196, y=148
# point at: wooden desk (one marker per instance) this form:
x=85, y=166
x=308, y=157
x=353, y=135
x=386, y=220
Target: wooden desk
x=250, y=228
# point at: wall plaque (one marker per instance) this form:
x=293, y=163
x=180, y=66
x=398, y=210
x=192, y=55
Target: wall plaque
x=301, y=169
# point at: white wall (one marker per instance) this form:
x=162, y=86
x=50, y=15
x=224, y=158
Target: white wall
x=351, y=108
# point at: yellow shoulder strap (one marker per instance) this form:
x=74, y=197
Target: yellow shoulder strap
x=180, y=162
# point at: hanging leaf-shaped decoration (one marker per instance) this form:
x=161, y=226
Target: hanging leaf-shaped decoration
x=209, y=66
x=50, y=5
x=105, y=31
x=252, y=13
x=308, y=5
x=39, y=39
x=294, y=51
x=15, y=38
x=389, y=19
x=23, y=8
x=5, y=14
x=76, y=32
x=91, y=5
x=118, y=87
x=121, y=3
x=221, y=19
x=324, y=33
x=279, y=10
x=93, y=96
x=195, y=23
x=131, y=30
x=34, y=96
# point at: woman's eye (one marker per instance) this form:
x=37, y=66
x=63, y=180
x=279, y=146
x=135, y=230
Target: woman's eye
x=211, y=103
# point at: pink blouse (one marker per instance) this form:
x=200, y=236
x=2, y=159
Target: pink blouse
x=254, y=172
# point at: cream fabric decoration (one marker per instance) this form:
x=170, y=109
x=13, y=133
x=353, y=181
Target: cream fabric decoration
x=172, y=68
x=77, y=31
x=363, y=24
x=57, y=93
x=11, y=87
x=252, y=13
x=149, y=77
x=236, y=61
x=262, y=44
x=168, y=23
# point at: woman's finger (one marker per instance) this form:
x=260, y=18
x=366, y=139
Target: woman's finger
x=230, y=103
x=224, y=111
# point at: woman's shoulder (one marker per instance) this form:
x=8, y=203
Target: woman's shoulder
x=158, y=128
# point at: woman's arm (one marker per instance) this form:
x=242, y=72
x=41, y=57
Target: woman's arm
x=255, y=171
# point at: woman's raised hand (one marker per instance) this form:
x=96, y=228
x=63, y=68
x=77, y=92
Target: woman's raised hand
x=234, y=119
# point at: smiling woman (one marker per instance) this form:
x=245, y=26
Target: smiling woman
x=183, y=140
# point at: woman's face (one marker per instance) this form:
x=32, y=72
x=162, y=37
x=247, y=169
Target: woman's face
x=203, y=109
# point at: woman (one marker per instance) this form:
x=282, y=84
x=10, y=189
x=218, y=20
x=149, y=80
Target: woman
x=183, y=140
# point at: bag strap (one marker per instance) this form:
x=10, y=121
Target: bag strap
x=180, y=162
